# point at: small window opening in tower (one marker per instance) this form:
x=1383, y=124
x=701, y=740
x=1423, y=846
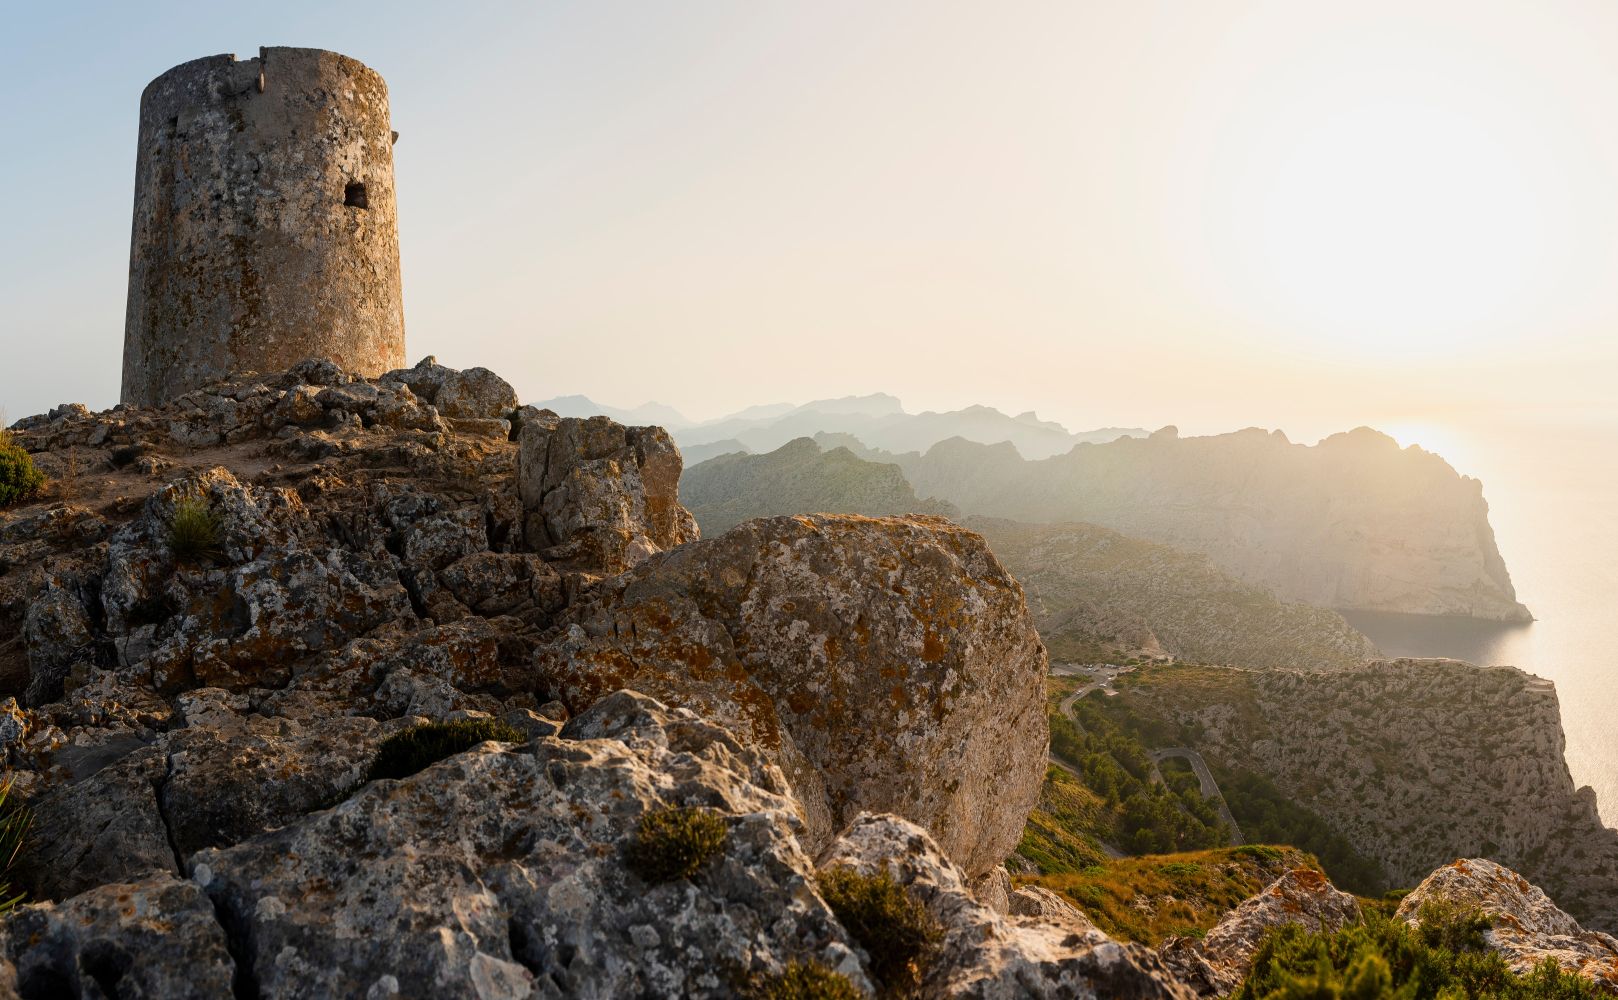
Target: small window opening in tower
x=354, y=195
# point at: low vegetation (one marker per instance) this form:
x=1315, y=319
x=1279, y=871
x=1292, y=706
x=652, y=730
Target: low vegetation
x=1148, y=899
x=1264, y=813
x=195, y=534
x=1144, y=817
x=419, y=747
x=1442, y=959
x=19, y=479
x=15, y=821
x=805, y=981
x=895, y=930
x=675, y=842
x=1064, y=831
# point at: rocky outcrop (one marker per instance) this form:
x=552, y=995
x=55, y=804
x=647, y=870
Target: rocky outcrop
x=1415, y=762
x=500, y=872
x=157, y=937
x=1527, y=927
x=598, y=495
x=928, y=703
x=988, y=956
x=191, y=720
x=1216, y=964
x=1354, y=522
x=797, y=478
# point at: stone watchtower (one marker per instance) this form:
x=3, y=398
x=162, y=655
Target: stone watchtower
x=265, y=231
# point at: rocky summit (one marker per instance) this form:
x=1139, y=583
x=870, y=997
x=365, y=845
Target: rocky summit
x=318, y=685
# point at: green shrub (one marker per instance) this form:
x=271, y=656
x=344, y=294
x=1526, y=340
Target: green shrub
x=1447, y=925
x=1381, y=957
x=674, y=842
x=194, y=531
x=805, y=981
x=14, y=823
x=895, y=930
x=418, y=748
x=19, y=479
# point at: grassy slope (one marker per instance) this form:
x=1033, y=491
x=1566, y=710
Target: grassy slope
x=1151, y=897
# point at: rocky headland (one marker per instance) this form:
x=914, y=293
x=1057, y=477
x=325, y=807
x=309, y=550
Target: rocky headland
x=1354, y=522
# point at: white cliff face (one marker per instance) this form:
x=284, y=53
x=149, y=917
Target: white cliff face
x=1354, y=522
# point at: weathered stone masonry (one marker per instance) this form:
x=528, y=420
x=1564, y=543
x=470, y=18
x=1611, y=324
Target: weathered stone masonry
x=265, y=229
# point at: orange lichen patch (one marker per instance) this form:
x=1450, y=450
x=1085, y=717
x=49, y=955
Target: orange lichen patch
x=932, y=649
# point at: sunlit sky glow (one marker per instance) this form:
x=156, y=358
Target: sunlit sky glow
x=1305, y=216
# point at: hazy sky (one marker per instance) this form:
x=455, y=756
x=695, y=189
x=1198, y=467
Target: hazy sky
x=1300, y=215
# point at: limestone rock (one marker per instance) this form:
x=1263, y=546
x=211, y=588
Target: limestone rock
x=56, y=633
x=156, y=937
x=498, y=872
x=1528, y=927
x=476, y=393
x=221, y=779
x=598, y=495
x=887, y=665
x=1218, y=963
x=982, y=954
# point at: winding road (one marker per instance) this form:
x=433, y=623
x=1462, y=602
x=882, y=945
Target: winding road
x=1102, y=677
x=1210, y=787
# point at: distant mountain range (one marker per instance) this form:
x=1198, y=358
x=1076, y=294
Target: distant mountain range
x=797, y=478
x=1353, y=523
x=877, y=421
x=1095, y=594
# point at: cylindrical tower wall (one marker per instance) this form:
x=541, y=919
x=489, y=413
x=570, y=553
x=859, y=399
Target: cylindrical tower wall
x=265, y=229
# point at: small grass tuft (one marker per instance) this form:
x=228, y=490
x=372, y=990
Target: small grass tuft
x=674, y=842
x=194, y=531
x=805, y=981
x=894, y=929
x=418, y=748
x=19, y=479
x=15, y=820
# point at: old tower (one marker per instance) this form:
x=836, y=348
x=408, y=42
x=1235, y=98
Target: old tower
x=265, y=230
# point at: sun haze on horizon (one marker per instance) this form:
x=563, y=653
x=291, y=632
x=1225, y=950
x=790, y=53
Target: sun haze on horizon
x=1207, y=215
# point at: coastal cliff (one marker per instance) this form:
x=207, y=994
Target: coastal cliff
x=1414, y=761
x=1353, y=523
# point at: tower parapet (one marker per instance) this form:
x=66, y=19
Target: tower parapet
x=265, y=229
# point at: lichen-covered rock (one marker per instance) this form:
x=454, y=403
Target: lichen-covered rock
x=107, y=827
x=987, y=956
x=156, y=937
x=1218, y=963
x=220, y=779
x=888, y=665
x=499, y=872
x=56, y=633
x=597, y=495
x=1528, y=927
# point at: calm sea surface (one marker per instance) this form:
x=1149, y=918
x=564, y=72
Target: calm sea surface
x=1553, y=501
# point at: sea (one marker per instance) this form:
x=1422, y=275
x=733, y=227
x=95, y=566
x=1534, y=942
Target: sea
x=1553, y=502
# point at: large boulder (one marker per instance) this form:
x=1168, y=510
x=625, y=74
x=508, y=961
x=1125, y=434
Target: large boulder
x=500, y=873
x=1528, y=927
x=888, y=665
x=983, y=955
x=597, y=495
x=1217, y=964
